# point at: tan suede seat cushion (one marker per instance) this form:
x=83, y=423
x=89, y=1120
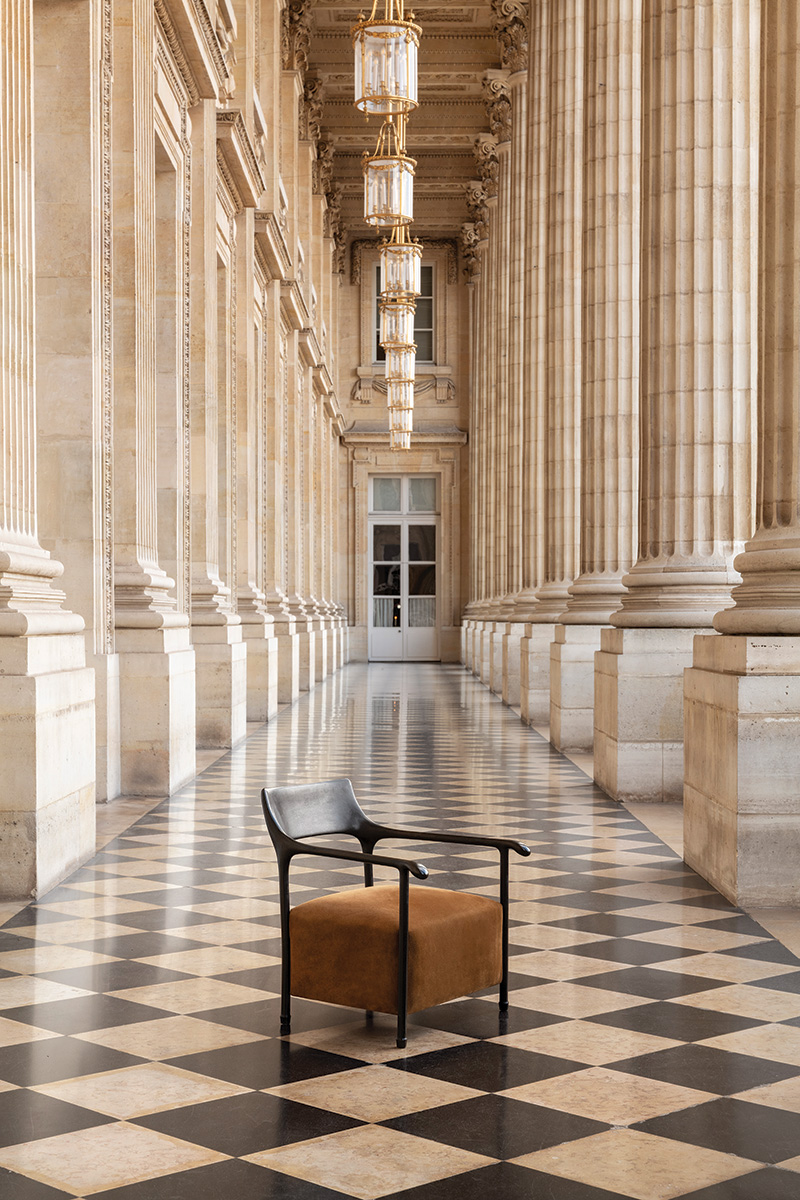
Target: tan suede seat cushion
x=344, y=947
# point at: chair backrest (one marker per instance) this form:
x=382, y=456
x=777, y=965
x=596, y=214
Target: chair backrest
x=314, y=809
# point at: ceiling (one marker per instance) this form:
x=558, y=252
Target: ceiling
x=456, y=47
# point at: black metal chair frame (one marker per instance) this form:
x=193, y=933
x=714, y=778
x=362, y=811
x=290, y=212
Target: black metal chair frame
x=309, y=814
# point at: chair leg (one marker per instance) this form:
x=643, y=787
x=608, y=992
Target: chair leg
x=402, y=963
x=504, y=931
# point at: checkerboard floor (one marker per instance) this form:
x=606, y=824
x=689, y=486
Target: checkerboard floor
x=652, y=1047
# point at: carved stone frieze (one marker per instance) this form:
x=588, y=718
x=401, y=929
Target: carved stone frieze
x=510, y=25
x=311, y=109
x=322, y=173
x=470, y=248
x=487, y=158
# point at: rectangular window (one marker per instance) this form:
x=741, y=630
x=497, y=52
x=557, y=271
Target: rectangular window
x=423, y=317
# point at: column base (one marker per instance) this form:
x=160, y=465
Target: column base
x=47, y=748
x=307, y=642
x=321, y=649
x=572, y=686
x=741, y=806
x=498, y=637
x=221, y=685
x=484, y=664
x=107, y=726
x=511, y=660
x=534, y=673
x=638, y=712
x=157, y=685
x=262, y=671
x=288, y=662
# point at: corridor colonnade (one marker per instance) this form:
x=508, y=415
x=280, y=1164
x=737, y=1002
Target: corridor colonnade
x=645, y=602
x=171, y=462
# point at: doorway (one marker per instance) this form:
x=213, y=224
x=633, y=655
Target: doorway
x=403, y=568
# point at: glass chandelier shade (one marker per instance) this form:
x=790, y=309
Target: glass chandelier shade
x=397, y=324
x=400, y=364
x=386, y=66
x=400, y=268
x=400, y=395
x=400, y=424
x=388, y=189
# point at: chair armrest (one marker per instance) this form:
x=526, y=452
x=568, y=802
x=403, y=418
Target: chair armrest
x=417, y=869
x=464, y=839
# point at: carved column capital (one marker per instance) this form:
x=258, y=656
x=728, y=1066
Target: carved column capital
x=510, y=26
x=295, y=35
x=497, y=98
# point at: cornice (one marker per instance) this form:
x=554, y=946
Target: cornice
x=272, y=244
x=192, y=39
x=237, y=149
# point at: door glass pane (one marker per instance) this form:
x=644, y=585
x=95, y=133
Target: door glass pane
x=421, y=612
x=386, y=543
x=386, y=581
x=421, y=580
x=385, y=612
x=421, y=495
x=421, y=543
x=386, y=495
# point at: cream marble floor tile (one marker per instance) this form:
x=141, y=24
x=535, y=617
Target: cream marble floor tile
x=572, y=1000
x=545, y=937
x=370, y=1161
x=791, y=1164
x=136, y=1091
x=98, y=906
x=246, y=887
x=37, y=959
x=141, y=866
x=689, y=938
x=64, y=933
x=375, y=1041
x=29, y=989
x=374, y=1093
x=654, y=891
x=721, y=966
x=553, y=964
x=535, y=911
x=638, y=1165
x=610, y=1096
x=15, y=1033
x=778, y=1043
x=521, y=892
x=169, y=1037
x=192, y=995
x=522, y=874
x=119, y=887
x=223, y=933
x=587, y=1041
x=251, y=870
x=10, y=908
x=211, y=960
x=783, y=1094
x=236, y=910
x=92, y=1160
x=679, y=914
x=148, y=853
x=761, y=1004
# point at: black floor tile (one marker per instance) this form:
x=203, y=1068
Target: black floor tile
x=84, y=1014
x=487, y=1065
x=780, y=983
x=477, y=1019
x=765, y=952
x=160, y=918
x=734, y=1127
x=114, y=976
x=502, y=1181
x=609, y=924
x=262, y=979
x=770, y=1184
x=19, y=1187
x=264, y=1016
x=26, y=1116
x=265, y=1064
x=496, y=1126
x=13, y=941
x=658, y=985
x=739, y=923
x=707, y=1069
x=58, y=1058
x=127, y=944
x=635, y=954
x=246, y=1124
x=220, y=1181
x=679, y=1021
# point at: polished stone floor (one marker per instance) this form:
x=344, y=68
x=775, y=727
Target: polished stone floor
x=652, y=1049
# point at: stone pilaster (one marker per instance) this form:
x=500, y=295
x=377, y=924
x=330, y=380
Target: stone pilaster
x=742, y=818
x=695, y=437
x=216, y=627
x=46, y=692
x=610, y=363
x=156, y=661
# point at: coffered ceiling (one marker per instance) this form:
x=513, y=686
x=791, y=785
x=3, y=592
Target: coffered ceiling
x=456, y=47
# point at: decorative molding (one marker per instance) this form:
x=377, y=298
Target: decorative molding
x=105, y=637
x=175, y=45
x=470, y=251
x=510, y=26
x=296, y=35
x=271, y=245
x=310, y=109
x=230, y=192
x=322, y=169
x=497, y=98
x=186, y=397
x=234, y=142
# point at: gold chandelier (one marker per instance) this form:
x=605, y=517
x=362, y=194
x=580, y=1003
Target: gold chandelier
x=386, y=51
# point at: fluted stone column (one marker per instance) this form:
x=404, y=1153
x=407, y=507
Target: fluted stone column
x=156, y=661
x=695, y=389
x=561, y=368
x=610, y=362
x=742, y=817
x=534, y=646
x=46, y=692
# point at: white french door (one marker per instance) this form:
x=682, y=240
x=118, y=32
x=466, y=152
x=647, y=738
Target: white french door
x=403, y=565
